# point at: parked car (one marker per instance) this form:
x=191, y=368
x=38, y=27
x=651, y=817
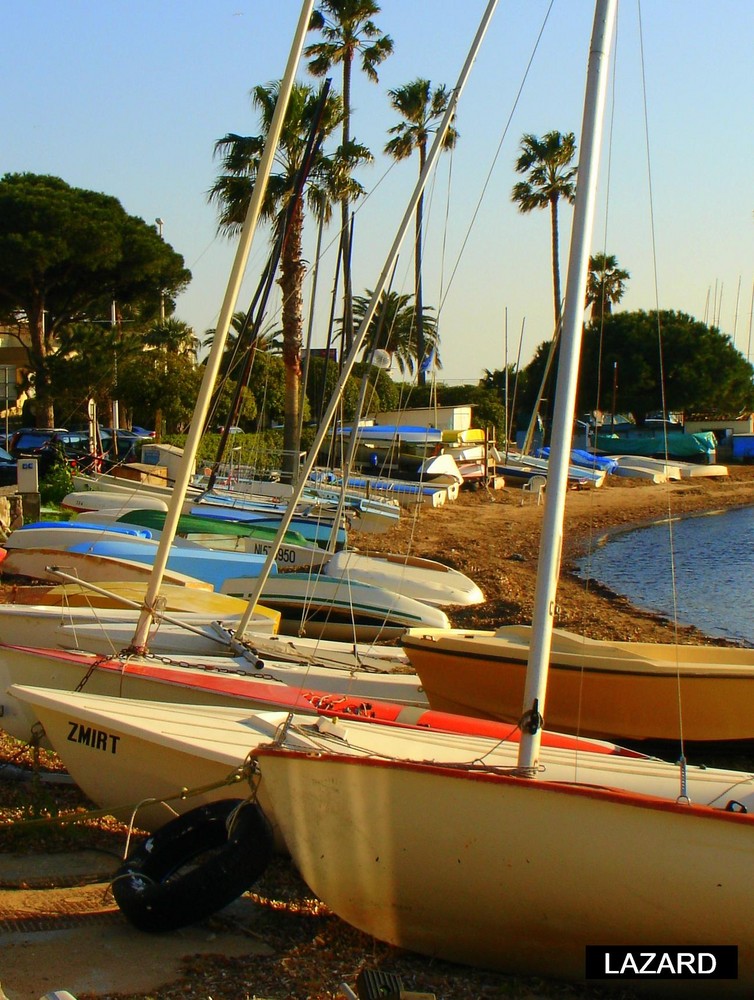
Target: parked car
x=7, y=468
x=127, y=445
x=77, y=449
x=39, y=443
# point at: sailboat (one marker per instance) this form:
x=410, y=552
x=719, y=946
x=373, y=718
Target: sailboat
x=336, y=605
x=515, y=869
x=169, y=753
x=623, y=691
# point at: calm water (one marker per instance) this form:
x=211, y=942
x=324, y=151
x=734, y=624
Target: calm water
x=714, y=571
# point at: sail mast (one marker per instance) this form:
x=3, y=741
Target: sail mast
x=565, y=393
x=223, y=325
x=360, y=336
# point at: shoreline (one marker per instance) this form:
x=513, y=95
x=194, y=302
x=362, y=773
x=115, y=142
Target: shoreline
x=494, y=539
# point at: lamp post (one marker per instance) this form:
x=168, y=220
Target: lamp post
x=160, y=223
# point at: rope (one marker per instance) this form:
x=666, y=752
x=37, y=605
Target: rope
x=232, y=778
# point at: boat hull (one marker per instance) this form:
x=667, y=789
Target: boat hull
x=490, y=870
x=218, y=682
x=618, y=691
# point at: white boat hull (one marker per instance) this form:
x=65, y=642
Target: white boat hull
x=225, y=736
x=421, y=579
x=194, y=680
x=491, y=870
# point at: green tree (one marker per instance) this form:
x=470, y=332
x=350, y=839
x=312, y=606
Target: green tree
x=329, y=179
x=240, y=340
x=171, y=339
x=347, y=31
x=394, y=328
x=546, y=162
x=65, y=255
x=422, y=110
x=606, y=285
x=701, y=370
x=172, y=336
x=146, y=386
x=83, y=366
x=236, y=364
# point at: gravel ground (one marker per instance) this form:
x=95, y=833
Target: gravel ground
x=492, y=537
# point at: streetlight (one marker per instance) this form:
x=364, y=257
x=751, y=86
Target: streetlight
x=160, y=223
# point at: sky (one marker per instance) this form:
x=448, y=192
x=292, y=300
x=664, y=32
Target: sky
x=128, y=97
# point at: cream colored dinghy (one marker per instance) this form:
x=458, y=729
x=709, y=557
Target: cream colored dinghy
x=124, y=751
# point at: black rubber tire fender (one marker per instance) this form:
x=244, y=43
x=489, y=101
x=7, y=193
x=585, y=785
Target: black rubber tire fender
x=194, y=865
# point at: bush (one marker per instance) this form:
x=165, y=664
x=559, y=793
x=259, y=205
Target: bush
x=262, y=450
x=56, y=484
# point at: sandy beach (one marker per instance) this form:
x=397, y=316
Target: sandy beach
x=494, y=538
x=278, y=943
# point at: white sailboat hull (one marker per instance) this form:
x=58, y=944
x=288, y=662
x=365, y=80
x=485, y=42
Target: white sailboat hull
x=40, y=564
x=421, y=579
x=226, y=735
x=337, y=608
x=508, y=873
x=86, y=501
x=217, y=681
x=108, y=630
x=637, y=466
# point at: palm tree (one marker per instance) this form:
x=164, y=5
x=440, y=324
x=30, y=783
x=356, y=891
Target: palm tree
x=239, y=339
x=547, y=162
x=172, y=336
x=347, y=31
x=606, y=285
x=394, y=329
x=422, y=110
x=328, y=180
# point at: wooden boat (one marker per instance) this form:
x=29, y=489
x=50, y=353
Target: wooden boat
x=520, y=870
x=612, y=690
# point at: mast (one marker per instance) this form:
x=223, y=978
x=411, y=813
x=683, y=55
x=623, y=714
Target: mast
x=551, y=543
x=223, y=325
x=358, y=340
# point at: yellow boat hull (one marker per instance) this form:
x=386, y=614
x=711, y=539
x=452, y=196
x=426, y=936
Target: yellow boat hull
x=618, y=691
